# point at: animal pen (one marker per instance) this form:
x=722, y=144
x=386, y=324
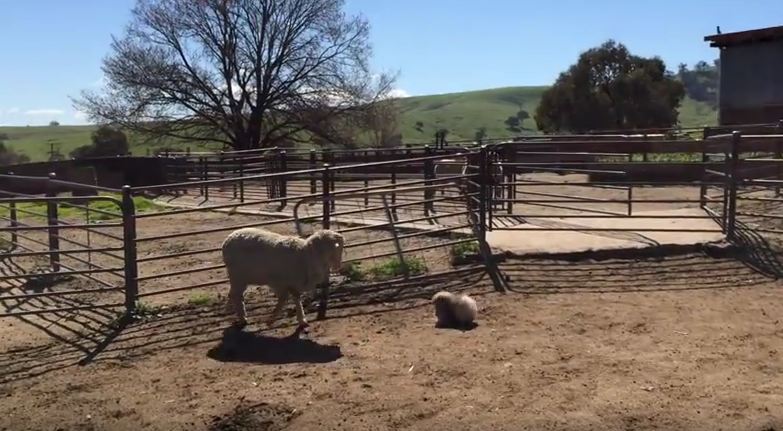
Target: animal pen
x=406, y=209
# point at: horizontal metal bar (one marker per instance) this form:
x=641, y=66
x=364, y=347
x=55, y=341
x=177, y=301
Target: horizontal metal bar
x=758, y=215
x=609, y=201
x=181, y=272
x=58, y=226
x=181, y=288
x=411, y=250
x=586, y=229
x=214, y=230
x=337, y=168
x=59, y=293
x=60, y=251
x=59, y=310
x=175, y=255
x=400, y=222
x=600, y=216
x=566, y=207
x=616, y=183
x=406, y=236
x=72, y=272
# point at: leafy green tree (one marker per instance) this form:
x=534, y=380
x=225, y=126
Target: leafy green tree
x=106, y=142
x=702, y=82
x=609, y=88
x=512, y=123
x=481, y=133
x=10, y=157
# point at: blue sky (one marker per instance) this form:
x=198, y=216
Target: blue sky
x=51, y=49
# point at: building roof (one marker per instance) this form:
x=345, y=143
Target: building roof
x=745, y=37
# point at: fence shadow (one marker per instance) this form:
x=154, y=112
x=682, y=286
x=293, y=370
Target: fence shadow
x=757, y=252
x=675, y=273
x=189, y=326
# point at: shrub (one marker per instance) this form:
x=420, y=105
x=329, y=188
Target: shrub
x=395, y=268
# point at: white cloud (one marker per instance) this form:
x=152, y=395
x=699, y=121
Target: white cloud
x=398, y=93
x=44, y=112
x=79, y=115
x=12, y=110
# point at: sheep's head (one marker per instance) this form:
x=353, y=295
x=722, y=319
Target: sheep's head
x=330, y=245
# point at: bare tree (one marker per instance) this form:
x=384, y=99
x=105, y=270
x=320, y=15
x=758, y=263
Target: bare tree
x=248, y=73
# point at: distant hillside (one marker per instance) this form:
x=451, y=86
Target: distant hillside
x=461, y=113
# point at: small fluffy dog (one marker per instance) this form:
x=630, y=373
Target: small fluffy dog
x=454, y=310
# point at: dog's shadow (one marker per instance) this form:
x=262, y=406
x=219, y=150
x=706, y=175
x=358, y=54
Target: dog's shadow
x=241, y=346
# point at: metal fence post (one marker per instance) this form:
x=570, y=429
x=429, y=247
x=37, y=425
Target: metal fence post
x=14, y=221
x=779, y=155
x=52, y=222
x=429, y=175
x=366, y=180
x=241, y=180
x=313, y=186
x=326, y=196
x=326, y=224
x=732, y=205
x=483, y=193
x=393, y=208
x=129, y=248
x=283, y=179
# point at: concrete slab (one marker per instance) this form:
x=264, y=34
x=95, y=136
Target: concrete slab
x=533, y=237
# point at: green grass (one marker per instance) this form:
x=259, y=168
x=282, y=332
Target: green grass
x=37, y=210
x=461, y=113
x=353, y=271
x=460, y=252
x=393, y=268
x=202, y=299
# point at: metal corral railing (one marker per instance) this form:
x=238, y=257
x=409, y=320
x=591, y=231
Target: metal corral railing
x=603, y=179
x=50, y=240
x=399, y=211
x=394, y=219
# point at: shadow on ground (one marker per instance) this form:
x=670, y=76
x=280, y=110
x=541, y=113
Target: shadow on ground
x=98, y=336
x=240, y=346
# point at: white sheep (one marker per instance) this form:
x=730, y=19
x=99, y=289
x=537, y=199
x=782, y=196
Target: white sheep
x=287, y=264
x=454, y=310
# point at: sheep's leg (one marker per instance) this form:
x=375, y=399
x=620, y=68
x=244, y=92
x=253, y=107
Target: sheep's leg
x=300, y=314
x=236, y=301
x=282, y=297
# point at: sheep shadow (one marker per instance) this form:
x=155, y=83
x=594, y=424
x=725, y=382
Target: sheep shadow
x=463, y=328
x=241, y=346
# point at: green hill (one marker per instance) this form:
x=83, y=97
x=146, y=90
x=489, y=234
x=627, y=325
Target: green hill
x=461, y=113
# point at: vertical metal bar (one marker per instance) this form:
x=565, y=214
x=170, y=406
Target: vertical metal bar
x=366, y=180
x=313, y=185
x=54, y=234
x=393, y=195
x=482, y=193
x=779, y=155
x=241, y=179
x=704, y=176
x=489, y=194
x=206, y=178
x=129, y=249
x=726, y=182
x=732, y=218
x=14, y=223
x=397, y=247
x=234, y=175
x=429, y=175
x=327, y=196
x=326, y=224
x=283, y=179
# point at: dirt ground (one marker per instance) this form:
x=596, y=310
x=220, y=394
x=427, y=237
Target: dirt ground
x=687, y=342
x=683, y=342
